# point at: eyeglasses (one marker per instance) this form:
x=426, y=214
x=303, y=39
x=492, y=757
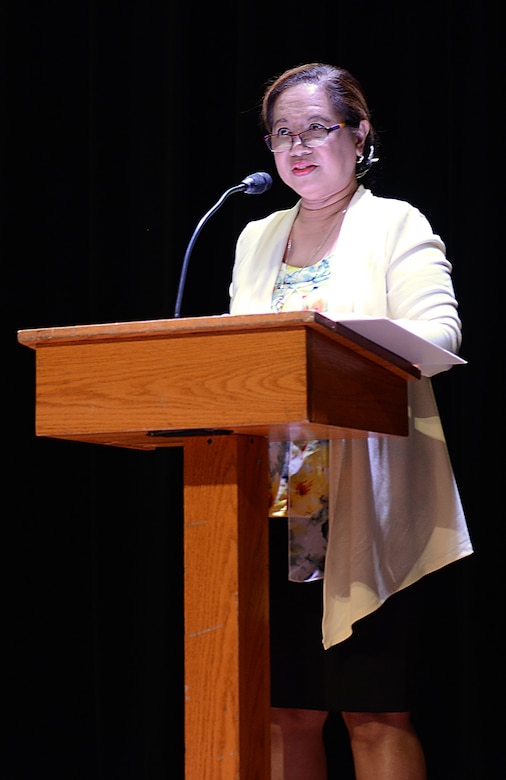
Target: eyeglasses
x=316, y=135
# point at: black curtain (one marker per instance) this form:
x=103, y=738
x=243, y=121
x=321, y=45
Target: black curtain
x=122, y=124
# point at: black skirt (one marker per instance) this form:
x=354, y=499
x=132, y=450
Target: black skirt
x=374, y=670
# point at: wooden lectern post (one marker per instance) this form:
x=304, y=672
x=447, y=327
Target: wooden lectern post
x=220, y=387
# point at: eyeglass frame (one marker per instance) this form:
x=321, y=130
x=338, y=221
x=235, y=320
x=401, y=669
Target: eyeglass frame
x=267, y=138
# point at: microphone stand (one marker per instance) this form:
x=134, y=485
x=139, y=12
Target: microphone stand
x=238, y=188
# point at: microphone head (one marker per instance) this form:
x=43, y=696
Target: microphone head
x=256, y=183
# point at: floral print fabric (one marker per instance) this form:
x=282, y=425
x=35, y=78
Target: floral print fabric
x=301, y=289
x=298, y=483
x=298, y=470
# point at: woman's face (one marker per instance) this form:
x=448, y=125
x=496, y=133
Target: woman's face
x=319, y=173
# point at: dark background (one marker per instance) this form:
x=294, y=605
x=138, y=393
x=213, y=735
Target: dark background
x=122, y=124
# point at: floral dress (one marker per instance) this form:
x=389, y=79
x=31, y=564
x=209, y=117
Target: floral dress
x=298, y=470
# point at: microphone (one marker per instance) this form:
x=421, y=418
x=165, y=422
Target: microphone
x=254, y=184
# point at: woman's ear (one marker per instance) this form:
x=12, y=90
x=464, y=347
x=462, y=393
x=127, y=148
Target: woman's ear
x=361, y=134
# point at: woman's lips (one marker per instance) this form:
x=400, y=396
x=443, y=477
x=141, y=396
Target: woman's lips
x=302, y=170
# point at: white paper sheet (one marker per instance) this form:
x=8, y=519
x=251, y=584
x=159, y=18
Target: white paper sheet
x=430, y=358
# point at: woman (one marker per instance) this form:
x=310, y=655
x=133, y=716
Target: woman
x=367, y=518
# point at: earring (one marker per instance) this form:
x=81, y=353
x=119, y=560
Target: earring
x=371, y=158
x=363, y=166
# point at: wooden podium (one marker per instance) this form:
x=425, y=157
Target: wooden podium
x=220, y=387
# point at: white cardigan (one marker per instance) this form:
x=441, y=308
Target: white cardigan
x=395, y=513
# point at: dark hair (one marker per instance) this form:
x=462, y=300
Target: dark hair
x=344, y=92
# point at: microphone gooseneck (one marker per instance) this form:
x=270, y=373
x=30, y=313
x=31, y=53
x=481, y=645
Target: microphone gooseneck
x=254, y=184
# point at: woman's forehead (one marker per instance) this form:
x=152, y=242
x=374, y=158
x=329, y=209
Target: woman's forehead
x=302, y=99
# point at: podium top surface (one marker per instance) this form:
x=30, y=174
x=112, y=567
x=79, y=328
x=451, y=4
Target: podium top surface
x=286, y=375
x=36, y=338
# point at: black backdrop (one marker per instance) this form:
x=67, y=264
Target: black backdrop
x=122, y=124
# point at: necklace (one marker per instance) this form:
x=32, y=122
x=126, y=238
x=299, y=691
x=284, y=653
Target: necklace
x=320, y=245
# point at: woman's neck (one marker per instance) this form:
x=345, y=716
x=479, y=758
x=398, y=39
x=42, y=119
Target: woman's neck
x=321, y=211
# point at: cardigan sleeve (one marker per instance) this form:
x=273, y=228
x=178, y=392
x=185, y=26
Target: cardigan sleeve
x=419, y=284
